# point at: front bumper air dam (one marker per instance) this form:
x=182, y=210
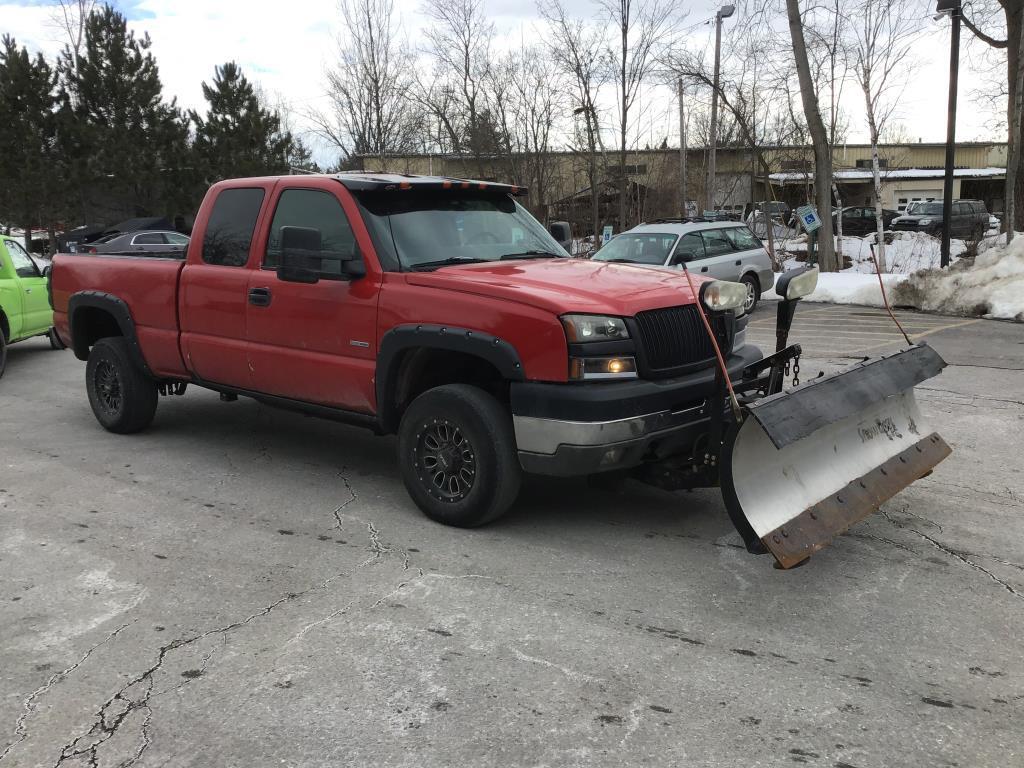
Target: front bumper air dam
x=807, y=464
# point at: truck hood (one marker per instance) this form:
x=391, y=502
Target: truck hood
x=566, y=285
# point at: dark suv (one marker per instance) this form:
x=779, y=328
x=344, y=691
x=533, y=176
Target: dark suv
x=969, y=219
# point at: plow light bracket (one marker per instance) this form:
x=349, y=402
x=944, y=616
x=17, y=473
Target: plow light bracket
x=797, y=283
x=721, y=295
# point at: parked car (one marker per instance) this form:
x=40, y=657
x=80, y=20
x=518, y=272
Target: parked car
x=777, y=210
x=440, y=310
x=969, y=220
x=24, y=306
x=722, y=250
x=859, y=221
x=157, y=242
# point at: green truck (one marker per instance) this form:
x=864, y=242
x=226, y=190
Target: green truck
x=24, y=306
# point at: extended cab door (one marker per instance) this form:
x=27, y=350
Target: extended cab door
x=214, y=286
x=315, y=342
x=30, y=287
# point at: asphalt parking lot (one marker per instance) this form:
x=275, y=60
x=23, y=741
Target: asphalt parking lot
x=239, y=586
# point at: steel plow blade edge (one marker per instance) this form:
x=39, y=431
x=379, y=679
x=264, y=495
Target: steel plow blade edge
x=845, y=445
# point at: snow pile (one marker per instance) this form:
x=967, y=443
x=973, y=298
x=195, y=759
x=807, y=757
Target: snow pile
x=908, y=252
x=992, y=287
x=848, y=288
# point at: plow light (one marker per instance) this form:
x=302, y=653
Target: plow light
x=797, y=283
x=719, y=295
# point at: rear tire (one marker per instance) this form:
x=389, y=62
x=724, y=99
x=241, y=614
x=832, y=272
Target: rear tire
x=457, y=454
x=55, y=340
x=753, y=293
x=123, y=398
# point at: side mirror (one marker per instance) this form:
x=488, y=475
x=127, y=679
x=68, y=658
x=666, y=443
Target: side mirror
x=562, y=232
x=303, y=259
x=48, y=270
x=300, y=255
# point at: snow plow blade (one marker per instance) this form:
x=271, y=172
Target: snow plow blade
x=807, y=464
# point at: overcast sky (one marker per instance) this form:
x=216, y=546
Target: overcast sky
x=285, y=46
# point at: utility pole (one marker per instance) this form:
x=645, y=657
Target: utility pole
x=682, y=153
x=723, y=13
x=952, y=7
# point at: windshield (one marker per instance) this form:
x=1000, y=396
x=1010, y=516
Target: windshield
x=638, y=248
x=428, y=229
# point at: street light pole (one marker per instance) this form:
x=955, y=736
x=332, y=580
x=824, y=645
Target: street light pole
x=723, y=13
x=682, y=154
x=952, y=7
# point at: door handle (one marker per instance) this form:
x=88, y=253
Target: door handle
x=28, y=290
x=259, y=297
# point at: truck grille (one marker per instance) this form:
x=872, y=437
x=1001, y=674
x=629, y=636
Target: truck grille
x=675, y=337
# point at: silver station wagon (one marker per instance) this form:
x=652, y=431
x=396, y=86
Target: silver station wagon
x=724, y=250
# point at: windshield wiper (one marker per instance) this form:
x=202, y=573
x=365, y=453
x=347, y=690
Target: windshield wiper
x=427, y=265
x=531, y=255
x=616, y=261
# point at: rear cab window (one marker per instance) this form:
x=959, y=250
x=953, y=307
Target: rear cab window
x=229, y=230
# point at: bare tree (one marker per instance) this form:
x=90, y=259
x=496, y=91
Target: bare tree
x=884, y=32
x=1013, y=158
x=577, y=48
x=459, y=40
x=642, y=27
x=983, y=19
x=68, y=19
x=819, y=137
x=371, y=113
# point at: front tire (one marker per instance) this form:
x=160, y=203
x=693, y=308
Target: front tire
x=3, y=353
x=753, y=293
x=457, y=454
x=123, y=398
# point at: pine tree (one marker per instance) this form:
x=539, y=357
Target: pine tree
x=121, y=143
x=238, y=136
x=27, y=104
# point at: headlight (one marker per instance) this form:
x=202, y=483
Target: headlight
x=584, y=328
x=925, y=222
x=719, y=295
x=588, y=368
x=797, y=283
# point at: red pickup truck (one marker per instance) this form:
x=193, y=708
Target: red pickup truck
x=434, y=308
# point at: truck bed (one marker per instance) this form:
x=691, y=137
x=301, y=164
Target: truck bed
x=146, y=284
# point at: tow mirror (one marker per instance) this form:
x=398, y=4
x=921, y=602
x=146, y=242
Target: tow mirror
x=303, y=259
x=562, y=232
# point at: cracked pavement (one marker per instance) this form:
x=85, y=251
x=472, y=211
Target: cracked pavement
x=243, y=587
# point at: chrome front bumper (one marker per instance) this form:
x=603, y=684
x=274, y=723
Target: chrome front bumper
x=565, y=448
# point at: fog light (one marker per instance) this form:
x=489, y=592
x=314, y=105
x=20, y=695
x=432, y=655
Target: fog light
x=592, y=368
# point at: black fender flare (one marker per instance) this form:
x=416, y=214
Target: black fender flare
x=498, y=352
x=117, y=309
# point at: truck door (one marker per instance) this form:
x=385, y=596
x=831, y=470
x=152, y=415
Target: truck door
x=214, y=292
x=36, y=315
x=314, y=342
